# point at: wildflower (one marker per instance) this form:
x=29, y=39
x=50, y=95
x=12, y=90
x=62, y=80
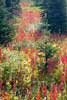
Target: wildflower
x=3, y=93
x=1, y=82
x=15, y=98
x=45, y=91
x=62, y=78
x=55, y=92
x=8, y=96
x=66, y=74
x=52, y=63
x=51, y=95
x=38, y=97
x=61, y=86
x=33, y=61
x=64, y=59
x=14, y=85
x=25, y=50
x=21, y=35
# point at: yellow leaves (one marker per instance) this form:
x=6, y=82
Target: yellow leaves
x=7, y=97
x=35, y=73
x=41, y=54
x=27, y=80
x=16, y=98
x=8, y=83
x=54, y=45
x=23, y=62
x=27, y=68
x=40, y=60
x=32, y=8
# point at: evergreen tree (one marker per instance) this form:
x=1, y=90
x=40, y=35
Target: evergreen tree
x=12, y=6
x=56, y=15
x=6, y=27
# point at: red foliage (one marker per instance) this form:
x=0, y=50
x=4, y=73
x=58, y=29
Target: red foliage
x=21, y=35
x=52, y=63
x=3, y=93
x=31, y=16
x=1, y=84
x=27, y=18
x=61, y=86
x=25, y=50
x=62, y=78
x=54, y=92
x=14, y=85
x=34, y=36
x=64, y=59
x=45, y=91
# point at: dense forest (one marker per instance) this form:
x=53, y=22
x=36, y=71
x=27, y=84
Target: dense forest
x=7, y=12
x=54, y=17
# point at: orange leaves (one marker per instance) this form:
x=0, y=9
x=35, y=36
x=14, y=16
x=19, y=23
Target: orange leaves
x=54, y=92
x=34, y=35
x=30, y=52
x=21, y=35
x=31, y=16
x=38, y=97
x=51, y=95
x=6, y=96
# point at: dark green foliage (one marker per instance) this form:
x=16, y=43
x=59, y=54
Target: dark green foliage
x=7, y=29
x=12, y=6
x=56, y=15
x=50, y=50
x=10, y=3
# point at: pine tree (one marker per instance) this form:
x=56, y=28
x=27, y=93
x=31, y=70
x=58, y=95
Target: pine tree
x=6, y=27
x=56, y=15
